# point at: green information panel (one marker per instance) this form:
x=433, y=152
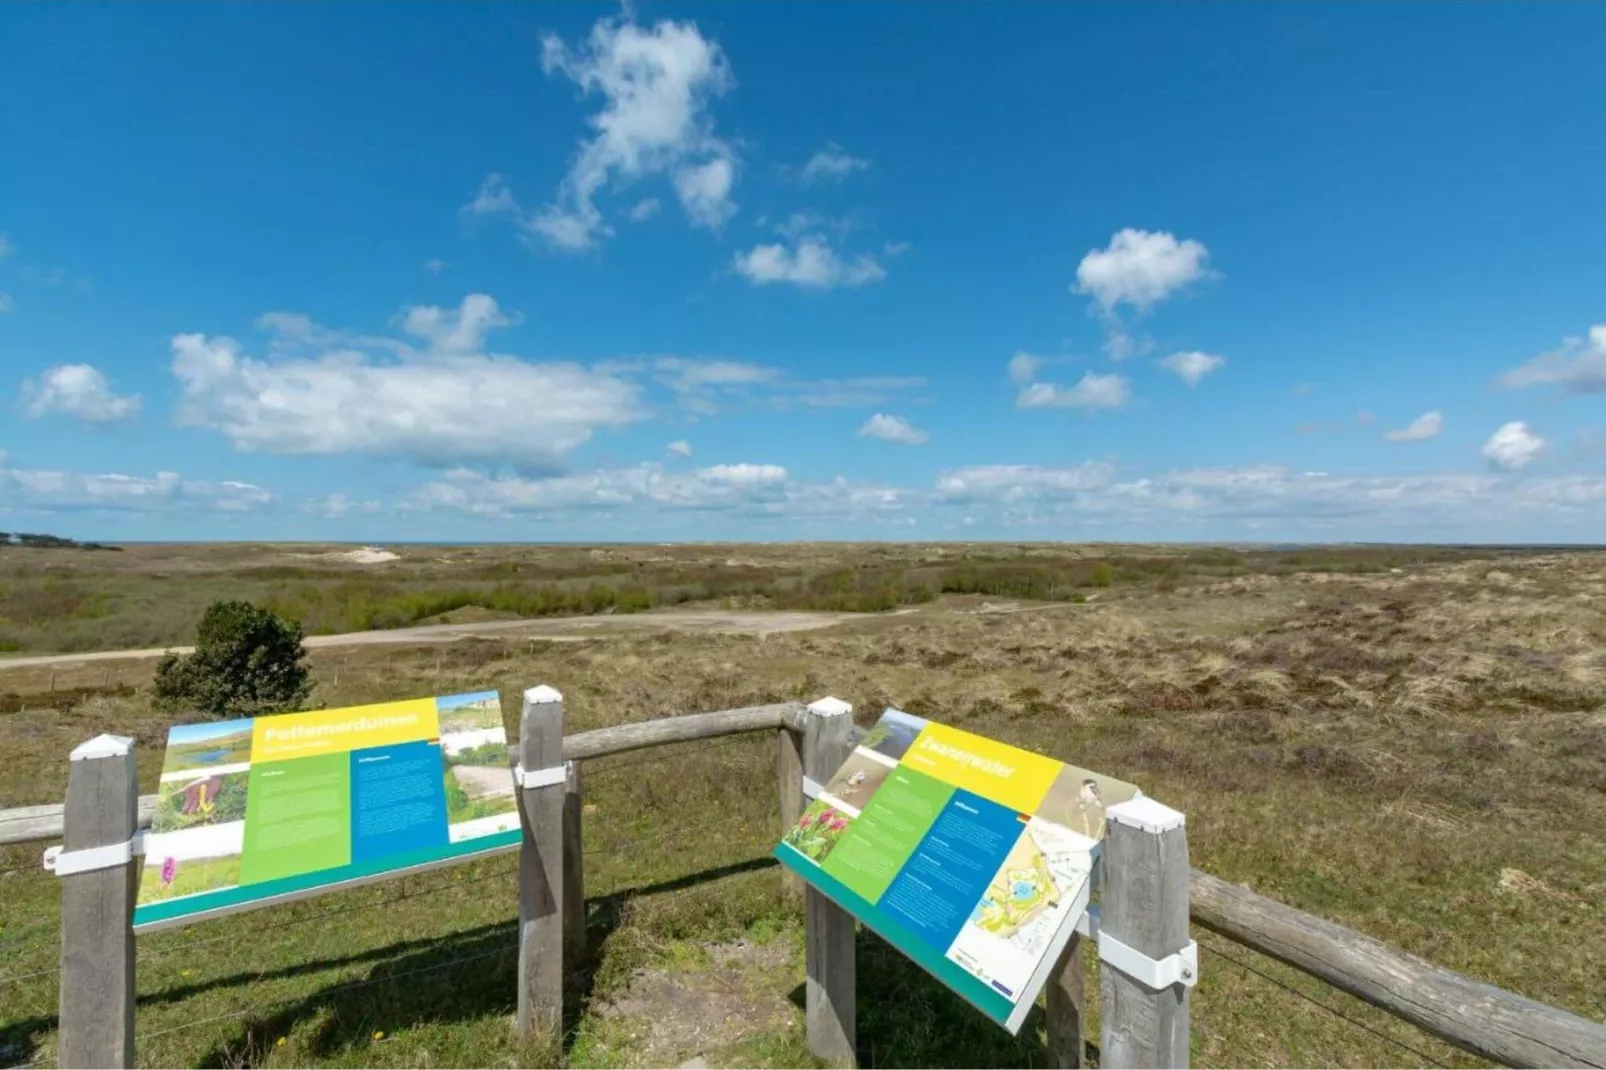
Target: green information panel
x=253, y=809
x=970, y=856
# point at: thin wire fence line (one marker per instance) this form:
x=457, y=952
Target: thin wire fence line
x=14, y=978
x=668, y=837
x=1334, y=1011
x=325, y=993
x=190, y=945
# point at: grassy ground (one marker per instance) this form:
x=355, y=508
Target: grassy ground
x=1418, y=754
x=151, y=595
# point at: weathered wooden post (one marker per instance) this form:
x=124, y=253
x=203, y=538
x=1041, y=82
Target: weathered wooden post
x=1067, y=1000
x=542, y=781
x=789, y=771
x=99, y=871
x=1148, y=963
x=831, y=989
x=574, y=879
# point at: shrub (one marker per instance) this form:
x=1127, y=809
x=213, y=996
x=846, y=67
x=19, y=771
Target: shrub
x=247, y=661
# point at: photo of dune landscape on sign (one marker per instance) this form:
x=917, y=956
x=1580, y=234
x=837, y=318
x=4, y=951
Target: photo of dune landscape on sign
x=777, y=535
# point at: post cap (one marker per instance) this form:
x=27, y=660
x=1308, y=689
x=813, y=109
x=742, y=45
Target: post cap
x=830, y=707
x=103, y=746
x=542, y=694
x=1145, y=813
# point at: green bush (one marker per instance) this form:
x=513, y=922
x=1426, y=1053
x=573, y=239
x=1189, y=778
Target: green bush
x=247, y=661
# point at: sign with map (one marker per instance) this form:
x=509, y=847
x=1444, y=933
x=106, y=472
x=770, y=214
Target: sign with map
x=266, y=807
x=970, y=856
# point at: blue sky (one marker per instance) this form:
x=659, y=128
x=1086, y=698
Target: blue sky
x=365, y=272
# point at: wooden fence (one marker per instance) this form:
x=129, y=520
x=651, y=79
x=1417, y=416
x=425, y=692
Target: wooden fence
x=1148, y=894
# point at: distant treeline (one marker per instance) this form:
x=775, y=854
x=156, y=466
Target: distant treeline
x=49, y=542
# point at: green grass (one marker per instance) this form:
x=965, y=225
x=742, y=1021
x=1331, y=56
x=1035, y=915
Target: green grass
x=1381, y=749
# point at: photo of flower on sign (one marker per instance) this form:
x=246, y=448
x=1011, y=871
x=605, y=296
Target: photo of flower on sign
x=970, y=856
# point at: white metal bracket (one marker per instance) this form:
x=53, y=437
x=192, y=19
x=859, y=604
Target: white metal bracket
x=541, y=778
x=65, y=863
x=812, y=788
x=1087, y=923
x=1179, y=967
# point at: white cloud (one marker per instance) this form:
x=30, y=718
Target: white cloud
x=1424, y=427
x=1017, y=482
x=1023, y=367
x=679, y=448
x=831, y=164
x=1140, y=268
x=1513, y=447
x=493, y=199
x=1193, y=366
x=1349, y=505
x=893, y=429
x=1092, y=391
x=459, y=330
x=435, y=266
x=706, y=385
x=448, y=404
x=811, y=263
x=704, y=191
x=644, y=209
x=897, y=248
x=5, y=303
x=165, y=492
x=656, y=87
x=1578, y=367
x=735, y=490
x=338, y=505
x=80, y=391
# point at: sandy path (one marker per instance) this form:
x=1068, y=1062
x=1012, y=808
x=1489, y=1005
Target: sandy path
x=479, y=781
x=556, y=629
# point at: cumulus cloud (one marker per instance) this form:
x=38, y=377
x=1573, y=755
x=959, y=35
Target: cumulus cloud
x=1140, y=268
x=656, y=86
x=1023, y=367
x=1578, y=367
x=831, y=164
x=679, y=448
x=61, y=491
x=707, y=385
x=1424, y=427
x=893, y=429
x=80, y=391
x=1192, y=366
x=644, y=209
x=1266, y=494
x=809, y=262
x=1092, y=391
x=1513, y=447
x=448, y=403
x=647, y=486
x=493, y=199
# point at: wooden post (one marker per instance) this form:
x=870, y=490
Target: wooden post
x=831, y=988
x=540, y=1008
x=789, y=771
x=97, y=908
x=1067, y=1000
x=574, y=880
x=1144, y=906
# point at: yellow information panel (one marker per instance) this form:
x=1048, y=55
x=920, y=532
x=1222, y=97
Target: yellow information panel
x=970, y=856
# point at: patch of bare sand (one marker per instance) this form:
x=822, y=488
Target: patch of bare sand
x=676, y=1015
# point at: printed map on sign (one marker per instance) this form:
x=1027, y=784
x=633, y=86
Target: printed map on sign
x=251, y=809
x=970, y=856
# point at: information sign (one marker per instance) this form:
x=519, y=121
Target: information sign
x=970, y=856
x=252, y=809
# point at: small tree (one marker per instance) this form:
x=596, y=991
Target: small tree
x=247, y=661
